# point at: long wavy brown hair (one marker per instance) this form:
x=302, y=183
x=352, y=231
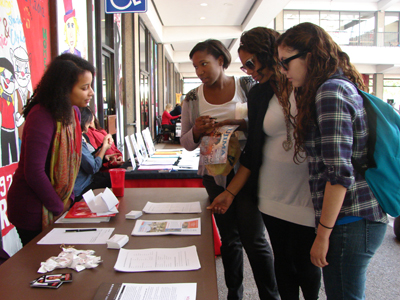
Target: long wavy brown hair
x=325, y=59
x=261, y=42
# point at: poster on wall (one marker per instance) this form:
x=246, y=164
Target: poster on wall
x=72, y=27
x=24, y=55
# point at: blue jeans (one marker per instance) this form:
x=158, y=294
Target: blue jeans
x=241, y=225
x=351, y=247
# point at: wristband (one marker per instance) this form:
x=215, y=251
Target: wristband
x=230, y=192
x=325, y=226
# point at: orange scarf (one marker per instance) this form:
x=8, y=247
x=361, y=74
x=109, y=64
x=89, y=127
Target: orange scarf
x=65, y=162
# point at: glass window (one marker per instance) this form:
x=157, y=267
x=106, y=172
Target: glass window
x=367, y=28
x=350, y=23
x=290, y=19
x=107, y=27
x=189, y=84
x=391, y=91
x=329, y=20
x=309, y=16
x=142, y=49
x=391, y=29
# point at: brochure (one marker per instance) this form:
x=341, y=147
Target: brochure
x=163, y=227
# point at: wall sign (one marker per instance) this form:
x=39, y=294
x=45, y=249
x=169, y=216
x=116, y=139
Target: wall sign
x=125, y=6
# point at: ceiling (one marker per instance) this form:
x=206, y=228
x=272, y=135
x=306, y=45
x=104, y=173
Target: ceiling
x=181, y=24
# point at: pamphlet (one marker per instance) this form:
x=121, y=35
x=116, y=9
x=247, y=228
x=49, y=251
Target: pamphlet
x=163, y=227
x=141, y=291
x=214, y=147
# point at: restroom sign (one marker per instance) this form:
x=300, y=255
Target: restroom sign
x=126, y=6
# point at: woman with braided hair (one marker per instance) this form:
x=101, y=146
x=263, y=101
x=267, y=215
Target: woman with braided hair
x=279, y=185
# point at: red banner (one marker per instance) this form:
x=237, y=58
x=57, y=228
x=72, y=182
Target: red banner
x=6, y=174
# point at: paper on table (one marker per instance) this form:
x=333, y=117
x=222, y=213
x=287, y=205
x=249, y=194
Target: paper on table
x=159, y=161
x=163, y=227
x=141, y=291
x=59, y=236
x=155, y=167
x=167, y=291
x=158, y=259
x=174, y=207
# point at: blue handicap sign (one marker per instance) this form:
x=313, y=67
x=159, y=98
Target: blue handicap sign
x=126, y=6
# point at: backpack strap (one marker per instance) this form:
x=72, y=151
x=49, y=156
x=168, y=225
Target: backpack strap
x=372, y=124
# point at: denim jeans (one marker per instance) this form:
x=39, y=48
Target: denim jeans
x=293, y=267
x=351, y=247
x=242, y=225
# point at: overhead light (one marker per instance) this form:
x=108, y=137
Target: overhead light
x=203, y=4
x=202, y=18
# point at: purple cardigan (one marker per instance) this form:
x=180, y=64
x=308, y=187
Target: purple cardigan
x=31, y=187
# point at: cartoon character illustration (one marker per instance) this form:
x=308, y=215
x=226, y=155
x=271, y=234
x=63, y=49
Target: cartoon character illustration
x=71, y=28
x=22, y=73
x=7, y=88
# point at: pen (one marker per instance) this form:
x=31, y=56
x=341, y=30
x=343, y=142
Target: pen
x=80, y=230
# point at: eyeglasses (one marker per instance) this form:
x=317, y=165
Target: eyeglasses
x=285, y=63
x=248, y=65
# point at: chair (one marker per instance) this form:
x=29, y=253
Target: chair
x=163, y=132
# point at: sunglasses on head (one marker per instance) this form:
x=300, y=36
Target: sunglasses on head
x=285, y=63
x=248, y=65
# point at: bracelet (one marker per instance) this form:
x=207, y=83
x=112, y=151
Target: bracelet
x=230, y=192
x=325, y=226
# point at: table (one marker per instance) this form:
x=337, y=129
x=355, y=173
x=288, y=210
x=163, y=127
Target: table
x=19, y=270
x=155, y=179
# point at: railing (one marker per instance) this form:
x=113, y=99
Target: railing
x=381, y=39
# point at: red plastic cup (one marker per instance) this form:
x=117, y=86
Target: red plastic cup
x=118, y=181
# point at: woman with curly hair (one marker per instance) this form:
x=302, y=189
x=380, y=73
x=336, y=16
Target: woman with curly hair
x=279, y=186
x=51, y=146
x=220, y=98
x=332, y=128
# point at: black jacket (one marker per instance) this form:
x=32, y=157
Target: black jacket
x=257, y=102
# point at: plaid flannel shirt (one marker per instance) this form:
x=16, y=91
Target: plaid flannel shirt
x=341, y=133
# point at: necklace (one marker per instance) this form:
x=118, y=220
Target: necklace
x=288, y=143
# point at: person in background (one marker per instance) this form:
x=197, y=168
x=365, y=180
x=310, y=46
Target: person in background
x=167, y=117
x=176, y=111
x=219, y=97
x=89, y=176
x=51, y=146
x=166, y=121
x=280, y=185
x=95, y=136
x=332, y=127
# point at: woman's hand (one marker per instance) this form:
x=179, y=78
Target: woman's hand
x=107, y=142
x=319, y=250
x=221, y=203
x=115, y=159
x=203, y=124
